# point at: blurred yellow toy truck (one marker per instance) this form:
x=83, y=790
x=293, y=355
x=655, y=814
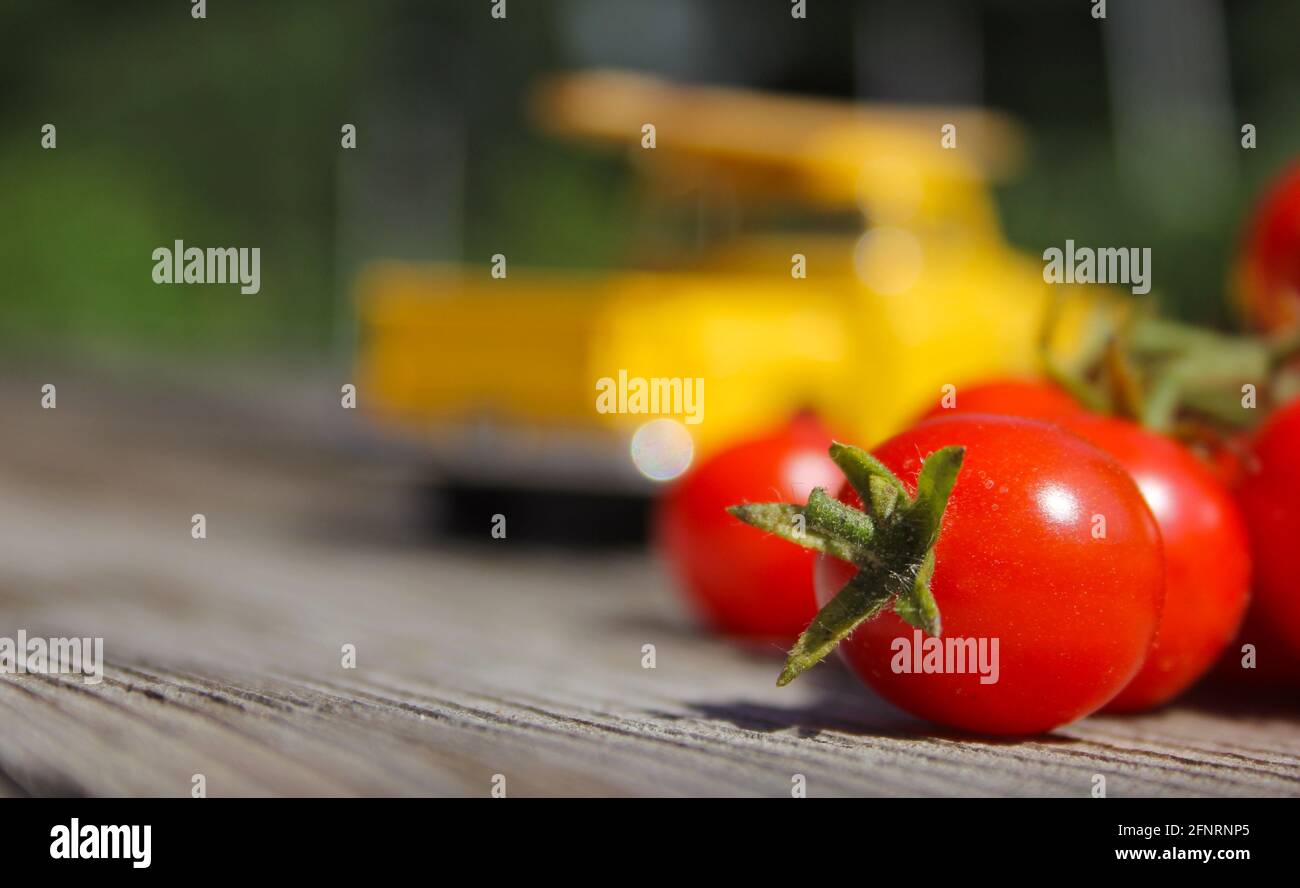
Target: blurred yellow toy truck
x=855, y=266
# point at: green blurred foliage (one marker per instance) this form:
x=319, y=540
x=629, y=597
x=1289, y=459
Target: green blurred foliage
x=1073, y=187
x=220, y=132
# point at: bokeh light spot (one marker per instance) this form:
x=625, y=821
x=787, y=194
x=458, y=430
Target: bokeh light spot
x=662, y=449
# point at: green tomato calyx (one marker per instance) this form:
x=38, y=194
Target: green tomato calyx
x=891, y=542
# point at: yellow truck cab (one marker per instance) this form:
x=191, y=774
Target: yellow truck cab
x=855, y=269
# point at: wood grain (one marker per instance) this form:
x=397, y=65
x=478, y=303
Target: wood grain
x=474, y=657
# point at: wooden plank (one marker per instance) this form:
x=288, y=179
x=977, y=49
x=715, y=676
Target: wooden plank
x=474, y=658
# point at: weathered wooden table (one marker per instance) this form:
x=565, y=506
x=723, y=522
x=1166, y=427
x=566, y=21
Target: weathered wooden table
x=473, y=659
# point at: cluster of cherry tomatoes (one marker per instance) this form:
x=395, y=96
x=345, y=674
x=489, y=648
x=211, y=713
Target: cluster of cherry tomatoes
x=1114, y=566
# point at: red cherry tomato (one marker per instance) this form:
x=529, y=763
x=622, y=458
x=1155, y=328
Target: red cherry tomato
x=1269, y=494
x=1268, y=271
x=742, y=581
x=1018, y=561
x=1029, y=398
x=1207, y=557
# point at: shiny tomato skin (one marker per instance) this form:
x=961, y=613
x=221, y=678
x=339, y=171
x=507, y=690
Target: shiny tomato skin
x=1207, y=557
x=1269, y=494
x=1028, y=398
x=1017, y=561
x=741, y=581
